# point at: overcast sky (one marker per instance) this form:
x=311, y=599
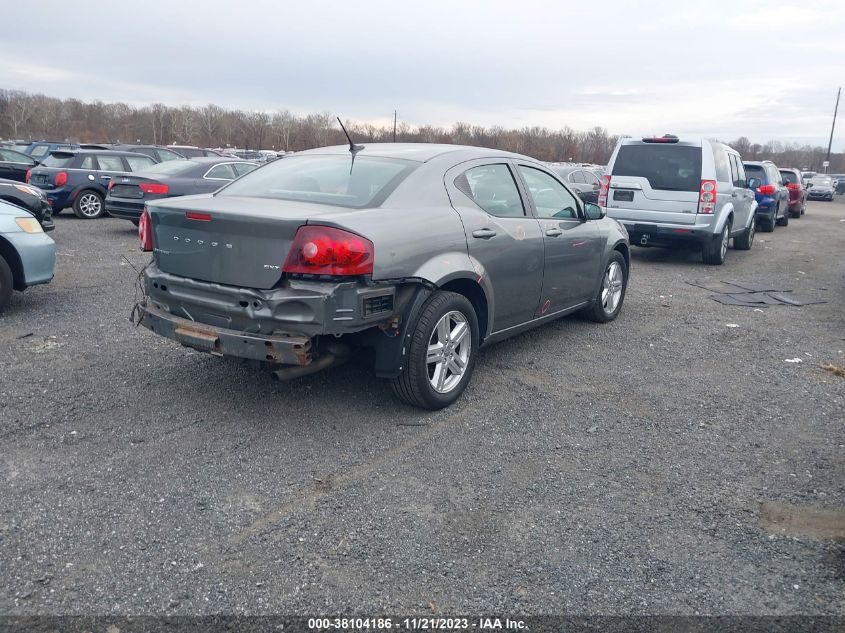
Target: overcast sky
x=764, y=69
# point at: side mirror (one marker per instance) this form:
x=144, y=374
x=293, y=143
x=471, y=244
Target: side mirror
x=594, y=211
x=753, y=183
x=808, y=185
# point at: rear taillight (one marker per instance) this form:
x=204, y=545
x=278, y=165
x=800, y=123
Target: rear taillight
x=61, y=179
x=604, y=187
x=707, y=197
x=323, y=250
x=767, y=190
x=145, y=231
x=28, y=174
x=154, y=187
x=794, y=186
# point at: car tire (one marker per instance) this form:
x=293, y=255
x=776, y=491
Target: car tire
x=89, y=205
x=714, y=252
x=783, y=220
x=803, y=206
x=795, y=215
x=745, y=240
x=431, y=384
x=6, y=283
x=767, y=225
x=602, y=310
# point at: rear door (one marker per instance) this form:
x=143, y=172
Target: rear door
x=573, y=246
x=110, y=167
x=655, y=182
x=501, y=235
x=741, y=196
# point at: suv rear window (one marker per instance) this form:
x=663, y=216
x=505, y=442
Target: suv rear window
x=789, y=178
x=325, y=179
x=58, y=160
x=756, y=171
x=668, y=167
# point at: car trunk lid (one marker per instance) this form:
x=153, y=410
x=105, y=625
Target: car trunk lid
x=655, y=183
x=230, y=240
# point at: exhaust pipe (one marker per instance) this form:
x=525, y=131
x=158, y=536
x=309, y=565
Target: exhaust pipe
x=336, y=354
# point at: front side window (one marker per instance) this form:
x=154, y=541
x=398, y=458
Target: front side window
x=551, y=199
x=492, y=188
x=110, y=163
x=325, y=179
x=137, y=163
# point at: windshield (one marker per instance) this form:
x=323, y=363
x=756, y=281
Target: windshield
x=824, y=181
x=667, y=167
x=331, y=180
x=168, y=168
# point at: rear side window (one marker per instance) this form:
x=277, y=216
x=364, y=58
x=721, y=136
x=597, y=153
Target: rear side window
x=137, y=163
x=788, y=177
x=39, y=150
x=190, y=152
x=87, y=163
x=243, y=168
x=222, y=172
x=723, y=170
x=668, y=167
x=591, y=178
x=325, y=179
x=492, y=188
x=774, y=175
x=110, y=163
x=166, y=154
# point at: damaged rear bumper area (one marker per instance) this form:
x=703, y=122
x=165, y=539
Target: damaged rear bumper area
x=296, y=324
x=281, y=349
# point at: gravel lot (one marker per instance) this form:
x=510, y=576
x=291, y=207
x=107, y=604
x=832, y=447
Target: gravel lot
x=665, y=463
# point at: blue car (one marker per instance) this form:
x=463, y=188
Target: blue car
x=79, y=179
x=772, y=194
x=40, y=150
x=27, y=254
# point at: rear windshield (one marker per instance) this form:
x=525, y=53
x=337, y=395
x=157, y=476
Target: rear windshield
x=788, y=177
x=756, y=171
x=334, y=180
x=668, y=167
x=168, y=168
x=58, y=160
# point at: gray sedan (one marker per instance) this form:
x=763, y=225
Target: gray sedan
x=421, y=252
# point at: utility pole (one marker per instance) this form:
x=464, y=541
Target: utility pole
x=394, y=126
x=832, y=126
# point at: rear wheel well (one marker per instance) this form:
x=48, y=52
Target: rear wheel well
x=472, y=291
x=8, y=252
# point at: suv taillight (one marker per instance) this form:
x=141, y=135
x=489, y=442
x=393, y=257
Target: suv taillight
x=707, y=197
x=794, y=186
x=604, y=187
x=145, y=231
x=323, y=250
x=767, y=190
x=61, y=179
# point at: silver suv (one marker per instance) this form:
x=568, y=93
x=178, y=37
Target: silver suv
x=669, y=191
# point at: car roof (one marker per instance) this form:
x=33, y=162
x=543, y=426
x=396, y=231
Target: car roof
x=85, y=152
x=211, y=160
x=420, y=152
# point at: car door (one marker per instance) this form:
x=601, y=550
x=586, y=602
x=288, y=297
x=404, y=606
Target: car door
x=573, y=246
x=502, y=237
x=110, y=167
x=782, y=192
x=741, y=196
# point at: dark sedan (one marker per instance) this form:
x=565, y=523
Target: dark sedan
x=30, y=198
x=15, y=165
x=128, y=195
x=584, y=181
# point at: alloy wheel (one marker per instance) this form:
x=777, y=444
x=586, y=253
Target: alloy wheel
x=726, y=237
x=90, y=205
x=611, y=292
x=449, y=348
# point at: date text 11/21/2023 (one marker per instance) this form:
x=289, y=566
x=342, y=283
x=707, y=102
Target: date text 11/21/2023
x=416, y=624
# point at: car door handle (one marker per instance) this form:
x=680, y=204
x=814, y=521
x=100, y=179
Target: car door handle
x=105, y=177
x=554, y=232
x=484, y=234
